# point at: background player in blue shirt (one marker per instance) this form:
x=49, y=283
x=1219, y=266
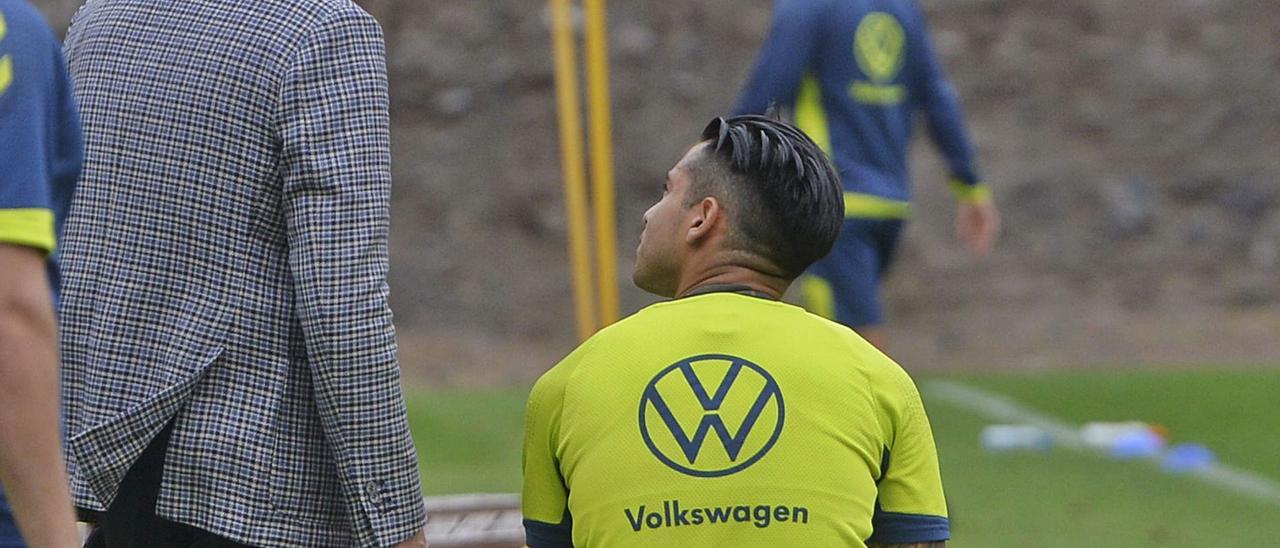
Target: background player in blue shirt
x=855, y=73
x=40, y=156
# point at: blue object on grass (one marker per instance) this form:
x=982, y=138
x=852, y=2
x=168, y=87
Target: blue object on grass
x=1188, y=457
x=1136, y=445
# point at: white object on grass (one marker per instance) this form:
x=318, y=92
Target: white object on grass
x=1000, y=408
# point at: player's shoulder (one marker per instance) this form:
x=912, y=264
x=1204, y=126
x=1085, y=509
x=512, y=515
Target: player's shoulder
x=893, y=391
x=809, y=12
x=840, y=336
x=28, y=50
x=20, y=12
x=848, y=347
x=639, y=324
x=20, y=21
x=641, y=328
x=908, y=12
x=905, y=11
x=552, y=383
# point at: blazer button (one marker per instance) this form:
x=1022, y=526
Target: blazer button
x=374, y=490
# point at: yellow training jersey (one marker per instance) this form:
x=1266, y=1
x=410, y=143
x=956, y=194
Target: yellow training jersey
x=728, y=420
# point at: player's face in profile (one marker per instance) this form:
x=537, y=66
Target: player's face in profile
x=659, y=254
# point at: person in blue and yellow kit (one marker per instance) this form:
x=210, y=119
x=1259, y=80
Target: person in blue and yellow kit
x=725, y=417
x=855, y=74
x=40, y=157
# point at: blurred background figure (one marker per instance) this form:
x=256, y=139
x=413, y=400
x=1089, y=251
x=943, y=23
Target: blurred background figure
x=230, y=359
x=40, y=156
x=854, y=74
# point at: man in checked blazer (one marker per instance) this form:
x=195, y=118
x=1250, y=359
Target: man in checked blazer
x=230, y=360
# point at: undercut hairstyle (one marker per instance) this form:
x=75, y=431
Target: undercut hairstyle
x=784, y=197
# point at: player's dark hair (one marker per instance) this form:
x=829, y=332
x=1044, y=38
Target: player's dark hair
x=786, y=197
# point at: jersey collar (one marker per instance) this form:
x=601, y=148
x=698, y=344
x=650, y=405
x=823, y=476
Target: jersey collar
x=728, y=288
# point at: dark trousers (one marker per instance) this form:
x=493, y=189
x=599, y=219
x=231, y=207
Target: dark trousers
x=131, y=521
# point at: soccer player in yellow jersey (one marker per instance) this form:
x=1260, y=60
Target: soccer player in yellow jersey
x=725, y=417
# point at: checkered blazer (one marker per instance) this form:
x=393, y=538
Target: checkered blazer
x=226, y=261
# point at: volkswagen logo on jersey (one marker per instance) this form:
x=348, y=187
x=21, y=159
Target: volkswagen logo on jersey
x=711, y=433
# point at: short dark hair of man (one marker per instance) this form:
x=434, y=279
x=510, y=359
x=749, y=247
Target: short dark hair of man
x=785, y=199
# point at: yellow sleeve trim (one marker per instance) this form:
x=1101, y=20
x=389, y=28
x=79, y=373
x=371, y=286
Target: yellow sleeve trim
x=869, y=206
x=28, y=227
x=6, y=62
x=977, y=192
x=6, y=73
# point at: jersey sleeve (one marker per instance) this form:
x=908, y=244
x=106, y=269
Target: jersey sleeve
x=26, y=213
x=944, y=117
x=785, y=58
x=545, y=497
x=910, y=507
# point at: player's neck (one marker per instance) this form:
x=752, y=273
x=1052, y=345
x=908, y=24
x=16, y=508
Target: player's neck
x=732, y=274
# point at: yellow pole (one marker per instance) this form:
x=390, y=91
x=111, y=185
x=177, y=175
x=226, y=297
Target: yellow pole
x=597, y=47
x=575, y=186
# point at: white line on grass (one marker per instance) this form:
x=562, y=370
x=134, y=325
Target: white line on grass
x=1001, y=408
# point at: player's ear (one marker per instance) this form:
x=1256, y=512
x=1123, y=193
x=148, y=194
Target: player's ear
x=703, y=219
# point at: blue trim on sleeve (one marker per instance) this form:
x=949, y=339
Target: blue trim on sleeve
x=9, y=536
x=539, y=534
x=895, y=528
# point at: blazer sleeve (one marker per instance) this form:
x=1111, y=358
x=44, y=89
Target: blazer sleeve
x=335, y=147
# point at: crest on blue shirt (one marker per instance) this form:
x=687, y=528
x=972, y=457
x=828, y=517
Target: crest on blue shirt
x=879, y=46
x=711, y=415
